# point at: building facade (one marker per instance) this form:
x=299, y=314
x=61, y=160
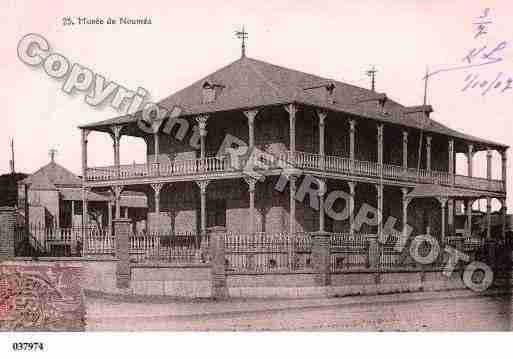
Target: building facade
x=284, y=127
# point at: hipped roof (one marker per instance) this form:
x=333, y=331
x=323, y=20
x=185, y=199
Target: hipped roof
x=248, y=83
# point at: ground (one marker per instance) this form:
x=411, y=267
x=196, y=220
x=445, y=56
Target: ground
x=460, y=310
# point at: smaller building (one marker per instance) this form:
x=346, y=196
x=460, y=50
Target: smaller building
x=54, y=198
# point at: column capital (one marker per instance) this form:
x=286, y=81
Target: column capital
x=380, y=127
x=404, y=191
x=443, y=201
x=352, y=124
x=116, y=132
x=251, y=183
x=405, y=135
x=202, y=124
x=157, y=187
x=352, y=187
x=85, y=134
x=428, y=140
x=203, y=185
x=251, y=115
x=291, y=109
x=470, y=149
x=117, y=190
x=322, y=114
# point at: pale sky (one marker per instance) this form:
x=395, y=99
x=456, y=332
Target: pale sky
x=190, y=39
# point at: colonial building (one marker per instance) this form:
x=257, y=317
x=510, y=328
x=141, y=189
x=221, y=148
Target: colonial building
x=393, y=157
x=54, y=199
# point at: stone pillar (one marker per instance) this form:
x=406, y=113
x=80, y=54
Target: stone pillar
x=7, y=235
x=321, y=258
x=428, y=153
x=405, y=149
x=352, y=191
x=292, y=110
x=470, y=156
x=488, y=218
x=116, y=138
x=122, y=235
x=468, y=208
x=218, y=262
x=202, y=123
x=251, y=184
x=203, y=210
x=116, y=191
x=251, y=115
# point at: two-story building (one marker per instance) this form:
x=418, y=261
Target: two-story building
x=395, y=158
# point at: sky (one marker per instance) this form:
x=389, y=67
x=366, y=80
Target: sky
x=189, y=40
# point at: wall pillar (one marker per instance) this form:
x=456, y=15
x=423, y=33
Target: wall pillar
x=292, y=110
x=251, y=184
x=122, y=235
x=218, y=265
x=352, y=192
x=251, y=115
x=470, y=156
x=321, y=258
x=7, y=232
x=405, y=149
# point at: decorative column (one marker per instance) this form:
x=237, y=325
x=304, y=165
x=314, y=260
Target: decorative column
x=379, y=189
x=488, y=164
x=504, y=158
x=109, y=213
x=488, y=218
x=405, y=203
x=203, y=211
x=451, y=160
x=157, y=187
x=252, y=184
x=468, y=208
x=117, y=190
x=470, y=155
x=202, y=123
x=292, y=214
x=72, y=213
x=292, y=110
x=322, y=192
x=352, y=191
x=251, y=115
x=450, y=216
x=504, y=216
x=116, y=138
x=85, y=133
x=428, y=153
x=322, y=124
x=85, y=212
x=352, y=130
x=380, y=148
x=443, y=202
x=405, y=150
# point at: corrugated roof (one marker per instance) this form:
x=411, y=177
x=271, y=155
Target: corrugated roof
x=249, y=83
x=51, y=176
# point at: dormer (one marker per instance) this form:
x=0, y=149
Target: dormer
x=211, y=91
x=324, y=92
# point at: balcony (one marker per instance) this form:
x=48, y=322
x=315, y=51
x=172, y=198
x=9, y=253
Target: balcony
x=309, y=162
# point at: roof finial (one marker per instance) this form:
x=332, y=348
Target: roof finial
x=372, y=74
x=242, y=35
x=52, y=154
